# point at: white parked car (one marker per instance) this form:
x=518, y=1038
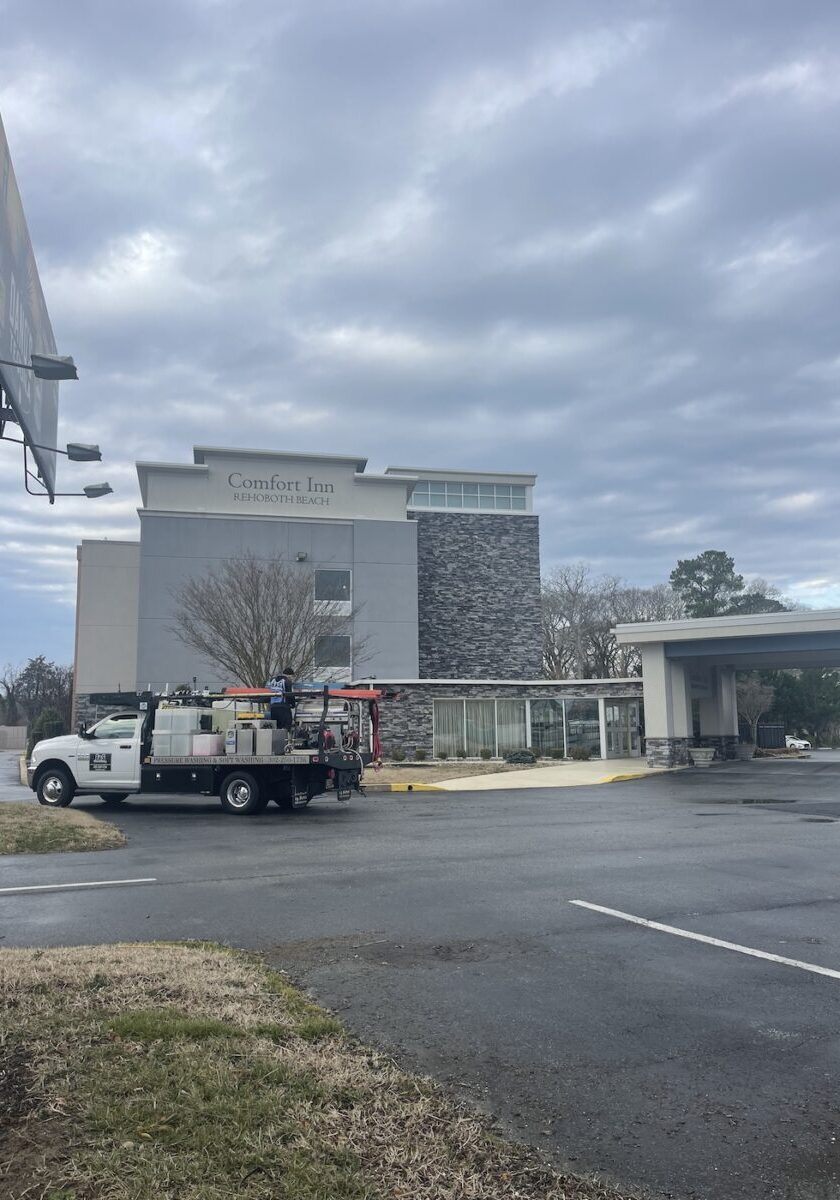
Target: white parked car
x=796, y=743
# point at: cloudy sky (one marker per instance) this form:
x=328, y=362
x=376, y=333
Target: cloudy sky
x=596, y=241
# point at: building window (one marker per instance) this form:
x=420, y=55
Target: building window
x=494, y=497
x=480, y=727
x=511, y=725
x=332, y=650
x=547, y=727
x=583, y=725
x=448, y=727
x=332, y=585
x=515, y=723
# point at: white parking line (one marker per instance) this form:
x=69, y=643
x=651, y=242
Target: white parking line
x=61, y=887
x=710, y=941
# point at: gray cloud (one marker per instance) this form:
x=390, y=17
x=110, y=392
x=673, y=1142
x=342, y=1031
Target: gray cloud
x=602, y=245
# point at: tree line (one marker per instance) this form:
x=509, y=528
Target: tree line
x=38, y=694
x=580, y=609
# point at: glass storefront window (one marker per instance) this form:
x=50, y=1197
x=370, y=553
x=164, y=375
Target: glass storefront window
x=449, y=727
x=481, y=727
x=511, y=726
x=547, y=726
x=583, y=728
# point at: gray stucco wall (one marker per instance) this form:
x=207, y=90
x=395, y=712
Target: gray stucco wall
x=478, y=579
x=381, y=554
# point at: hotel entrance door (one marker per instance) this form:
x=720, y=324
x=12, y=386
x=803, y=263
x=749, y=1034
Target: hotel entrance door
x=622, y=729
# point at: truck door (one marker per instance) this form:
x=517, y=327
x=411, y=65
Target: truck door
x=109, y=757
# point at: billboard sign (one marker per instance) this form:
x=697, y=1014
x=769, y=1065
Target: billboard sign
x=24, y=325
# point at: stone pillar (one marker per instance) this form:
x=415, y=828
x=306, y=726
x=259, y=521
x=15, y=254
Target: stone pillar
x=667, y=696
x=719, y=712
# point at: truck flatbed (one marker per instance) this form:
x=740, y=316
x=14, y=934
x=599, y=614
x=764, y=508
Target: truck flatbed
x=331, y=758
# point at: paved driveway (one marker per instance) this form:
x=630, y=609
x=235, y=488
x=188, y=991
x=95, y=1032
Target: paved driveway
x=441, y=927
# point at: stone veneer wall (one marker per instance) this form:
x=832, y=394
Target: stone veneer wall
x=667, y=752
x=406, y=714
x=92, y=707
x=478, y=584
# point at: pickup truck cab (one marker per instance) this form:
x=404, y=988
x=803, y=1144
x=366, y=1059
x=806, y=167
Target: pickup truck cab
x=113, y=759
x=104, y=759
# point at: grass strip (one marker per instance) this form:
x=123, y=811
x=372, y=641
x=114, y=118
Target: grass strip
x=192, y=1072
x=27, y=828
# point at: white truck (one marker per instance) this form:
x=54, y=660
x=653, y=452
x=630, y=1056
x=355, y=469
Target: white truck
x=115, y=758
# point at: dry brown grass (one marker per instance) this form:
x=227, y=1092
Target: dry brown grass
x=156, y=1072
x=31, y=829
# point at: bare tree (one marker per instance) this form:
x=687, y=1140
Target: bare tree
x=754, y=699
x=9, y=682
x=580, y=611
x=252, y=617
x=636, y=604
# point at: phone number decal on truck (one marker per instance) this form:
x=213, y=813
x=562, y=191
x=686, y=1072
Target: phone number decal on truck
x=100, y=762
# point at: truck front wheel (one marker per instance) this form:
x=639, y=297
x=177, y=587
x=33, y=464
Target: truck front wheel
x=55, y=788
x=240, y=794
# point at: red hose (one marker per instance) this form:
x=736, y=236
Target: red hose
x=376, y=744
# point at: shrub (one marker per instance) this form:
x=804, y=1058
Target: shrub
x=485, y=753
x=521, y=756
x=556, y=753
x=47, y=725
x=580, y=753
x=462, y=753
x=442, y=755
x=398, y=755
x=419, y=755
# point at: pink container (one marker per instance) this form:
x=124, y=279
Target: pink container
x=206, y=745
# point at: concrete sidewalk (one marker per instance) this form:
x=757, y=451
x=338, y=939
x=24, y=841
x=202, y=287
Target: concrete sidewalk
x=10, y=786
x=565, y=774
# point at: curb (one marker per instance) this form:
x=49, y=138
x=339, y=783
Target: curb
x=403, y=787
x=622, y=778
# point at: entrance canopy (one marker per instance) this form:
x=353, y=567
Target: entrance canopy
x=687, y=661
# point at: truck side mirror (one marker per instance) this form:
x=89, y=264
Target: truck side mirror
x=82, y=730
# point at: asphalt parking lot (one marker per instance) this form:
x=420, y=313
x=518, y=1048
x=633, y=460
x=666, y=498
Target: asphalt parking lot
x=441, y=927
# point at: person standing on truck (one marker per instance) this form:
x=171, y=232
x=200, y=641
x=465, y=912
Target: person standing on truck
x=283, y=702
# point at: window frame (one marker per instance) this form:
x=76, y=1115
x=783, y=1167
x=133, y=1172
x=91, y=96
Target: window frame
x=327, y=666
x=348, y=600
x=457, y=495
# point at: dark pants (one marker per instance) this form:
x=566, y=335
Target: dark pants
x=282, y=714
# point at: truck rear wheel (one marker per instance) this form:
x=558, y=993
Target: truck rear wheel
x=240, y=794
x=55, y=788
x=113, y=797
